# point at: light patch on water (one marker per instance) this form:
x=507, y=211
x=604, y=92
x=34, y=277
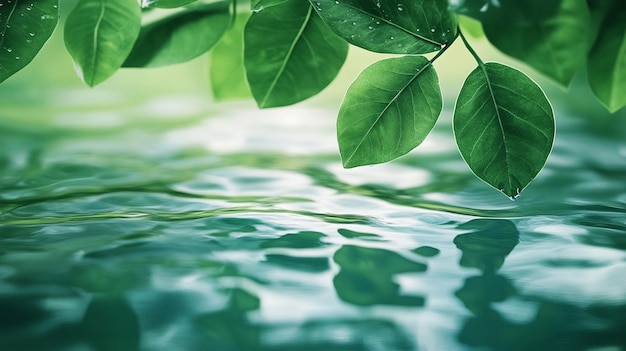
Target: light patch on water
x=586, y=287
x=390, y=175
x=289, y=131
x=580, y=275
x=560, y=229
x=517, y=310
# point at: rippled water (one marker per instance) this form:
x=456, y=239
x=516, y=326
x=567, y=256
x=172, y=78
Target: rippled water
x=173, y=225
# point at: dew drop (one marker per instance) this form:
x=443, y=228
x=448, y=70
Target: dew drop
x=391, y=37
x=17, y=57
x=354, y=23
x=400, y=7
x=336, y=2
x=432, y=30
x=370, y=27
x=31, y=34
x=9, y=49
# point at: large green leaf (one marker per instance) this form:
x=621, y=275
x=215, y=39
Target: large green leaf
x=289, y=54
x=180, y=37
x=227, y=75
x=504, y=127
x=409, y=27
x=388, y=110
x=99, y=34
x=25, y=26
x=551, y=36
x=607, y=62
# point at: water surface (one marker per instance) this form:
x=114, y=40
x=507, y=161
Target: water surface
x=175, y=224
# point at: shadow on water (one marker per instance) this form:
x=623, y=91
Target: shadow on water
x=366, y=276
x=555, y=325
x=108, y=323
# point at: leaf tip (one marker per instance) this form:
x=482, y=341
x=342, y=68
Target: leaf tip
x=512, y=195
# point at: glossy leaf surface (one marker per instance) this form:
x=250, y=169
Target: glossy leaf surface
x=504, y=127
x=25, y=26
x=99, y=34
x=400, y=27
x=388, y=110
x=227, y=74
x=180, y=37
x=607, y=63
x=293, y=61
x=553, y=37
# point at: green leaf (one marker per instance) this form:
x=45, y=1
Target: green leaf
x=166, y=4
x=180, y=37
x=25, y=26
x=388, y=110
x=410, y=27
x=552, y=37
x=504, y=127
x=289, y=54
x=99, y=34
x=607, y=63
x=227, y=74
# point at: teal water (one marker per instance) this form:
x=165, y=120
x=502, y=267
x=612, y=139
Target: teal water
x=175, y=224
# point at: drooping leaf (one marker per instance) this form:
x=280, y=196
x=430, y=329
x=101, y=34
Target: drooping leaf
x=180, y=37
x=99, y=34
x=607, y=62
x=289, y=54
x=504, y=127
x=388, y=110
x=553, y=37
x=25, y=26
x=227, y=75
x=396, y=27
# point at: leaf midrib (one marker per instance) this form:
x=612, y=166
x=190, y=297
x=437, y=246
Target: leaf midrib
x=419, y=36
x=499, y=118
x=382, y=113
x=283, y=66
x=96, y=37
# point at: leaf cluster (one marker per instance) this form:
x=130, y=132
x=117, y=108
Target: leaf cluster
x=281, y=52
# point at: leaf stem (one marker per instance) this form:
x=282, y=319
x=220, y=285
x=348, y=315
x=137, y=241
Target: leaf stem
x=470, y=49
x=234, y=16
x=445, y=47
